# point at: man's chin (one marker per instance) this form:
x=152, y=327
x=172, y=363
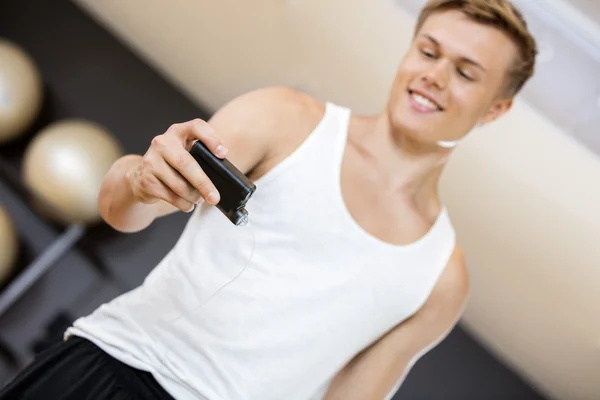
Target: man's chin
x=405, y=122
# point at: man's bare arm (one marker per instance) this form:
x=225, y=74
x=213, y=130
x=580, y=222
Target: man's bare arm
x=136, y=191
x=376, y=371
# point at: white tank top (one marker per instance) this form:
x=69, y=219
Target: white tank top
x=313, y=288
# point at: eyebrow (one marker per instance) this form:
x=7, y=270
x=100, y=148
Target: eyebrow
x=464, y=59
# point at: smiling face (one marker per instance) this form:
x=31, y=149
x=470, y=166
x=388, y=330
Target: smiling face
x=451, y=79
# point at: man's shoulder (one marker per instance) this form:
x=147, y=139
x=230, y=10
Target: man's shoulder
x=273, y=108
x=262, y=126
x=271, y=122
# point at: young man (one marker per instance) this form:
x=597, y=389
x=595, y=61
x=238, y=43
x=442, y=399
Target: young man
x=348, y=271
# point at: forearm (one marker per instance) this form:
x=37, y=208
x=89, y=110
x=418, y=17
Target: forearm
x=370, y=376
x=117, y=203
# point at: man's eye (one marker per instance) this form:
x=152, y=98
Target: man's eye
x=428, y=53
x=464, y=74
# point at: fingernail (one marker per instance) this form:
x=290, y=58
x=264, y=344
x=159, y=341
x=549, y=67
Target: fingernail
x=213, y=197
x=221, y=151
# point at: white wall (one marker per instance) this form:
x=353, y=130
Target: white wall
x=523, y=196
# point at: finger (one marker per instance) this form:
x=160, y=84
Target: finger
x=164, y=193
x=198, y=129
x=183, y=162
x=175, y=181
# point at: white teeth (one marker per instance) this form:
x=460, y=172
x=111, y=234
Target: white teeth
x=424, y=101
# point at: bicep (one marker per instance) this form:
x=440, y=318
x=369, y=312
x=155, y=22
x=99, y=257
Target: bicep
x=438, y=315
x=379, y=369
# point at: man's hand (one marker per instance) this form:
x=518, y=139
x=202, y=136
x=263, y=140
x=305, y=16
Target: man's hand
x=168, y=172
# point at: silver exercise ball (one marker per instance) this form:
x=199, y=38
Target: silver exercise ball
x=21, y=91
x=65, y=164
x=9, y=245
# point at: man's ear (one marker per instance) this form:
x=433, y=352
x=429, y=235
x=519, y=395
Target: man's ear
x=497, y=109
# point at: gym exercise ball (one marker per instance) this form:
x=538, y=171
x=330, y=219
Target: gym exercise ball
x=9, y=244
x=65, y=164
x=21, y=91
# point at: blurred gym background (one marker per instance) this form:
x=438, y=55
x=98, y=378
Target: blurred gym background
x=82, y=82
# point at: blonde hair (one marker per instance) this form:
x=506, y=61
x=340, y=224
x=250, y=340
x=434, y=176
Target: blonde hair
x=503, y=15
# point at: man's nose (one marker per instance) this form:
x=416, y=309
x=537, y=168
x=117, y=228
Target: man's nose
x=437, y=74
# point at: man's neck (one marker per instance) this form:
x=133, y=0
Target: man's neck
x=412, y=169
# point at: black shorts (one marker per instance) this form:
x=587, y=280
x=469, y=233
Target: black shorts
x=78, y=370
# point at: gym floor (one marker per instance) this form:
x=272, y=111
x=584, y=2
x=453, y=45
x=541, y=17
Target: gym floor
x=89, y=74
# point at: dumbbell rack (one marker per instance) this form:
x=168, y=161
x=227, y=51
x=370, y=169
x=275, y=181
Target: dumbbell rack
x=43, y=262
x=26, y=276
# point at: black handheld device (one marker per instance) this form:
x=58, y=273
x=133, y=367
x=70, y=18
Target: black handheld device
x=234, y=187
